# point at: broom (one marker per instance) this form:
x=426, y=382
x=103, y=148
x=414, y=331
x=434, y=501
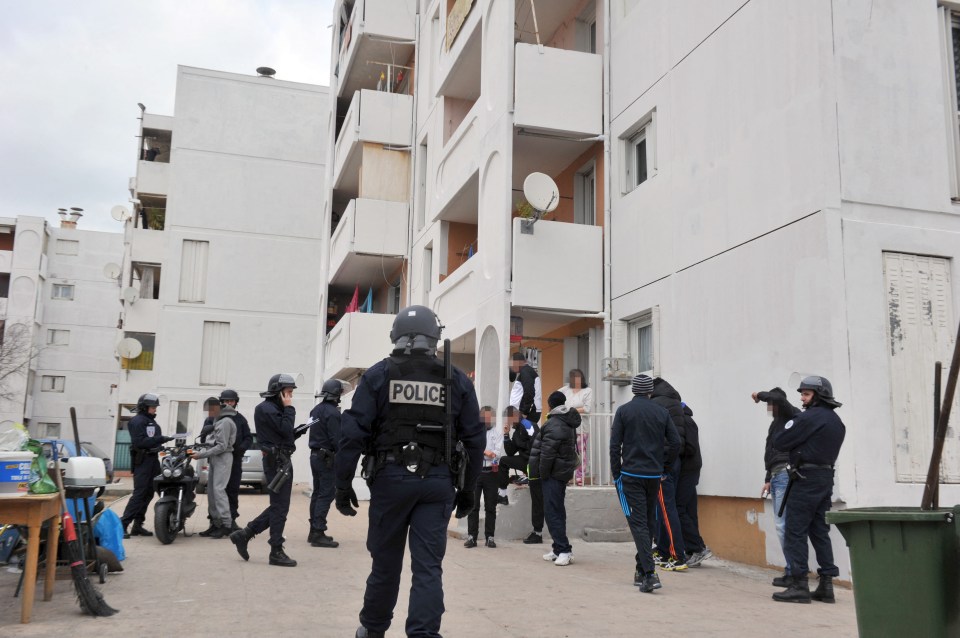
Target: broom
x=91, y=601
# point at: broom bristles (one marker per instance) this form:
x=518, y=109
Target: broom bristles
x=91, y=601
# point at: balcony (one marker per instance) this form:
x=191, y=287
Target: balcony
x=153, y=178
x=147, y=245
x=142, y=316
x=370, y=240
x=378, y=32
x=455, y=298
x=376, y=118
x=544, y=276
x=558, y=91
x=357, y=342
x=6, y=260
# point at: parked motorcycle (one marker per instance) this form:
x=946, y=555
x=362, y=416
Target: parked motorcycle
x=176, y=487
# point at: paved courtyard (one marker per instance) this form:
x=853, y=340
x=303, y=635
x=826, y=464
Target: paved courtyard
x=201, y=587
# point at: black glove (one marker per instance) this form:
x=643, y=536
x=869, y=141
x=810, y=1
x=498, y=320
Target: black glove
x=465, y=503
x=344, y=498
x=167, y=439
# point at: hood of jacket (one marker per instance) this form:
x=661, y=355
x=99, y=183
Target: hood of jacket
x=662, y=388
x=226, y=411
x=568, y=415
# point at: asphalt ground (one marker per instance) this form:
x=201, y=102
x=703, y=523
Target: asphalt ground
x=201, y=587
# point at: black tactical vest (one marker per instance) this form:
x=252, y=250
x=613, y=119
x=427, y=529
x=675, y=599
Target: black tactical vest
x=415, y=396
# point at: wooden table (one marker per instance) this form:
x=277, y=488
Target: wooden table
x=33, y=511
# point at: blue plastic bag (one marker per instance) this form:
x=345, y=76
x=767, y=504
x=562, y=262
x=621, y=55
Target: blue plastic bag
x=109, y=533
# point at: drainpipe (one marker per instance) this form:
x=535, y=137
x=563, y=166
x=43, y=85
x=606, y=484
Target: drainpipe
x=607, y=189
x=414, y=158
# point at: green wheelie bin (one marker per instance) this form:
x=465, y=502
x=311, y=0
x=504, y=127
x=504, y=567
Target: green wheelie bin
x=904, y=566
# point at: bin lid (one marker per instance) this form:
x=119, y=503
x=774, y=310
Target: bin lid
x=892, y=514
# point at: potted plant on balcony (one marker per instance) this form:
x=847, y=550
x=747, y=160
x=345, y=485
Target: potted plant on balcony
x=524, y=210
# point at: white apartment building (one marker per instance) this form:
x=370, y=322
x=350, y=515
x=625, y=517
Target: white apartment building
x=222, y=252
x=55, y=290
x=782, y=178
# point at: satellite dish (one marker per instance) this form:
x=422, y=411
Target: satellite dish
x=542, y=192
x=112, y=270
x=129, y=348
x=130, y=295
x=120, y=213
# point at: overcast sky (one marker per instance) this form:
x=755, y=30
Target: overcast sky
x=73, y=72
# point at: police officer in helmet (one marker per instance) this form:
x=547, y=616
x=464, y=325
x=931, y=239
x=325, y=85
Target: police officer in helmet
x=145, y=441
x=324, y=441
x=274, y=421
x=397, y=418
x=812, y=439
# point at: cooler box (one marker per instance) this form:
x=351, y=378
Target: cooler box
x=15, y=472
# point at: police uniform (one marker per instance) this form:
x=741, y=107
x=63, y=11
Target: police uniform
x=145, y=441
x=324, y=440
x=244, y=441
x=412, y=488
x=274, y=424
x=813, y=439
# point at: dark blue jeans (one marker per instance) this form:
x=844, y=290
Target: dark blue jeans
x=275, y=516
x=323, y=491
x=807, y=505
x=554, y=492
x=669, y=535
x=402, y=502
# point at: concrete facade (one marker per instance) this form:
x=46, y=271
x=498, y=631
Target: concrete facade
x=228, y=228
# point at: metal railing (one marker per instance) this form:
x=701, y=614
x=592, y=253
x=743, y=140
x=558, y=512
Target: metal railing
x=593, y=444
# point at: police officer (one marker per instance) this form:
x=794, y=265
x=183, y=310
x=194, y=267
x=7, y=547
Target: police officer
x=398, y=418
x=813, y=441
x=273, y=420
x=145, y=441
x=324, y=440
x=244, y=441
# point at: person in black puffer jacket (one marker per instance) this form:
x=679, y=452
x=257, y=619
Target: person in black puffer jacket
x=690, y=465
x=553, y=459
x=669, y=537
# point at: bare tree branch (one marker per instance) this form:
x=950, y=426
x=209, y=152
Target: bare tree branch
x=17, y=352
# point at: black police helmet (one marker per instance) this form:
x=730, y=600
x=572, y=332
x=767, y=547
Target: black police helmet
x=821, y=387
x=229, y=395
x=331, y=390
x=148, y=400
x=277, y=384
x=416, y=330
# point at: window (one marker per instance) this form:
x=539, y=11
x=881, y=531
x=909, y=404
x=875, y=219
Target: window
x=950, y=53
x=639, y=160
x=68, y=247
x=586, y=29
x=48, y=431
x=585, y=196
x=62, y=291
x=57, y=337
x=427, y=267
x=644, y=343
x=144, y=361
x=4, y=285
x=215, y=353
x=193, y=271
x=180, y=411
x=52, y=384
x=146, y=277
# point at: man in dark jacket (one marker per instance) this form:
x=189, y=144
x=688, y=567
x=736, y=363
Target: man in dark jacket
x=518, y=439
x=145, y=441
x=671, y=549
x=777, y=477
x=553, y=459
x=813, y=441
x=324, y=442
x=642, y=437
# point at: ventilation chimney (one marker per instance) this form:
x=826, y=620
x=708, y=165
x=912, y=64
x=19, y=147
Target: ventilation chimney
x=265, y=72
x=68, y=219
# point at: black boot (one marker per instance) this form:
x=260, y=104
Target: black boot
x=783, y=581
x=139, y=530
x=233, y=525
x=797, y=592
x=240, y=538
x=279, y=558
x=322, y=540
x=126, y=532
x=210, y=530
x=824, y=592
x=314, y=534
x=363, y=632
x=221, y=532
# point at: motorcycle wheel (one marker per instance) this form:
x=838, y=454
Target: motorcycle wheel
x=164, y=522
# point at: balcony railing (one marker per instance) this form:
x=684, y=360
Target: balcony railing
x=379, y=31
x=369, y=243
x=558, y=91
x=6, y=260
x=544, y=276
x=357, y=342
x=153, y=178
x=374, y=117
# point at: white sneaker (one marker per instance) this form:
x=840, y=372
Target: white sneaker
x=563, y=559
x=550, y=556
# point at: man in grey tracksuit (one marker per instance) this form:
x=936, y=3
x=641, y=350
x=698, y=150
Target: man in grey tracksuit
x=220, y=457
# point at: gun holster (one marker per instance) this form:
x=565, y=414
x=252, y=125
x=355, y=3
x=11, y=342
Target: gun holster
x=370, y=468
